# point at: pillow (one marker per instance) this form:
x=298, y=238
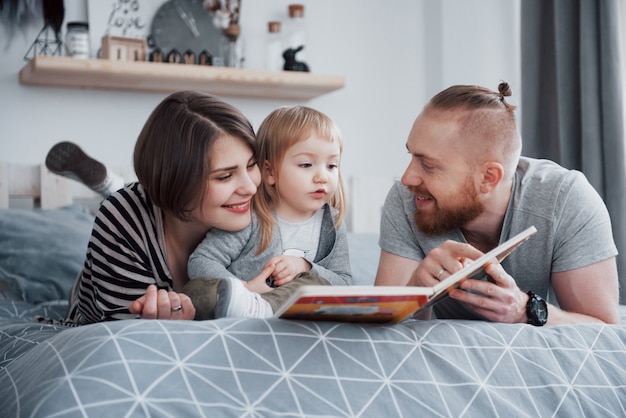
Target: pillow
x=43, y=250
x=364, y=256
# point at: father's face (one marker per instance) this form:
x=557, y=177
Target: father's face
x=440, y=176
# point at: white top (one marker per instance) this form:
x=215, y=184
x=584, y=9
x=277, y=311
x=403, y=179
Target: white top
x=301, y=239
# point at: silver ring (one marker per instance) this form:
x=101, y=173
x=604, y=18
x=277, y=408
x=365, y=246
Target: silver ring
x=439, y=273
x=176, y=309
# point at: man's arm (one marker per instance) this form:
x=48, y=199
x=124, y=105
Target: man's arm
x=394, y=270
x=586, y=294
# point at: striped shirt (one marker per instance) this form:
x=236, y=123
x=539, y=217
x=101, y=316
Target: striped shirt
x=125, y=254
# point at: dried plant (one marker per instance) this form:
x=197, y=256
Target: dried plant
x=225, y=13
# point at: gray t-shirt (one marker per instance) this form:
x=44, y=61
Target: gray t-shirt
x=573, y=228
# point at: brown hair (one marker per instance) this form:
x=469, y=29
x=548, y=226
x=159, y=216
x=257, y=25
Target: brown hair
x=171, y=157
x=473, y=97
x=279, y=131
x=485, y=115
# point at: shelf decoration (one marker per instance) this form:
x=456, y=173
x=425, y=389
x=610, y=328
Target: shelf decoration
x=18, y=14
x=225, y=16
x=124, y=33
x=48, y=41
x=120, y=48
x=125, y=19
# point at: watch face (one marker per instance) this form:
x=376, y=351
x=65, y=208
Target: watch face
x=537, y=310
x=184, y=25
x=541, y=312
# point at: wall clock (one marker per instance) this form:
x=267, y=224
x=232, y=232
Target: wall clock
x=184, y=25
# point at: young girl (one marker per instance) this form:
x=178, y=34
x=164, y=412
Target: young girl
x=195, y=159
x=297, y=235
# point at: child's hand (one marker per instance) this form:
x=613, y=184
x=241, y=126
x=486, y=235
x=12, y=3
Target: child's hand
x=286, y=267
x=259, y=284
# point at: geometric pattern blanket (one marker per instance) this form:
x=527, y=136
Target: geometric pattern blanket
x=285, y=368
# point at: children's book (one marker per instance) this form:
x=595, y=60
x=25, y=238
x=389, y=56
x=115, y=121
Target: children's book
x=386, y=303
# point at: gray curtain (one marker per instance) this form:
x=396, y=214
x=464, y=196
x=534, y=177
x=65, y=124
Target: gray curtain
x=571, y=102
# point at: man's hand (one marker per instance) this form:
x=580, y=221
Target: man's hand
x=161, y=304
x=497, y=301
x=443, y=261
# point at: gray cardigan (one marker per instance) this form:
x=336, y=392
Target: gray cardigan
x=224, y=254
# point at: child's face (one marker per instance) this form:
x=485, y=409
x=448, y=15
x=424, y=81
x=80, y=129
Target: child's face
x=233, y=180
x=308, y=178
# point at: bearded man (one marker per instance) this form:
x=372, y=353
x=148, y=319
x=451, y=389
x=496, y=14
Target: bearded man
x=467, y=189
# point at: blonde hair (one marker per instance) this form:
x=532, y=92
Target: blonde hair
x=279, y=131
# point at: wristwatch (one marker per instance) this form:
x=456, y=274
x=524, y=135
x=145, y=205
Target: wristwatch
x=536, y=310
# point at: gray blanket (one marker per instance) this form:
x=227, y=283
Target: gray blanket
x=254, y=367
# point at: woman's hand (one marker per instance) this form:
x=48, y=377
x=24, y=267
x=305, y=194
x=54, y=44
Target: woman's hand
x=161, y=304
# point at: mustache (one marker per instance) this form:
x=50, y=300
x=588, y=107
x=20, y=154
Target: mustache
x=419, y=191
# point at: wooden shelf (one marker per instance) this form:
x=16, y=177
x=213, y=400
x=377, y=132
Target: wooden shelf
x=164, y=77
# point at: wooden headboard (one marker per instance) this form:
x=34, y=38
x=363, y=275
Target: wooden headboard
x=33, y=185
x=36, y=182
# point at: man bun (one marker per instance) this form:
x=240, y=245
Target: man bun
x=505, y=89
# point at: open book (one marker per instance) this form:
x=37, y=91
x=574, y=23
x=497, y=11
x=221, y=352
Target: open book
x=386, y=303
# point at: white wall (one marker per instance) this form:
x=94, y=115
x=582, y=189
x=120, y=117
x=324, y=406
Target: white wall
x=474, y=42
x=393, y=54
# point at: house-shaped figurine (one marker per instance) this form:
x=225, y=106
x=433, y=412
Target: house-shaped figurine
x=118, y=48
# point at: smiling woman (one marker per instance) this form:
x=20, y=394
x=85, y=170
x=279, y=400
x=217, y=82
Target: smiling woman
x=232, y=183
x=136, y=262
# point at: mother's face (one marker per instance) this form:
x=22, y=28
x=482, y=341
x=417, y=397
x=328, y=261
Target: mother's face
x=232, y=182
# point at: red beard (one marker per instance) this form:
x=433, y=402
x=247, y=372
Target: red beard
x=438, y=220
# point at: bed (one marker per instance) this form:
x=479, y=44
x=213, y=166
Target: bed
x=268, y=367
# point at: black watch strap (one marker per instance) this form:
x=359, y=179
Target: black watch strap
x=536, y=310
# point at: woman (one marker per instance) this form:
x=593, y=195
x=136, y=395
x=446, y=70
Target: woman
x=195, y=161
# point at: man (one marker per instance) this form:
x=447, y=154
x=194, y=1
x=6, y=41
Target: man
x=466, y=190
